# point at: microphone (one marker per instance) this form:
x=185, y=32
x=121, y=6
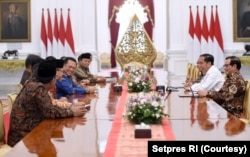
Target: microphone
x=195, y=95
x=166, y=97
x=172, y=89
x=192, y=92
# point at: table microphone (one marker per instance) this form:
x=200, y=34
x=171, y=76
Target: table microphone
x=172, y=89
x=192, y=92
x=195, y=96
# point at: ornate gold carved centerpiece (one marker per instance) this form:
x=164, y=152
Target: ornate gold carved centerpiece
x=135, y=47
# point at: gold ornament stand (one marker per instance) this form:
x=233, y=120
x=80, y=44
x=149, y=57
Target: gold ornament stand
x=135, y=47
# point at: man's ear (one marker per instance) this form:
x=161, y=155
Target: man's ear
x=235, y=66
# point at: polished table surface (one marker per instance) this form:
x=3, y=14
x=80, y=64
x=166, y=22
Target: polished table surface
x=190, y=119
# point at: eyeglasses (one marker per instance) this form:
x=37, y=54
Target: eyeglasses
x=226, y=65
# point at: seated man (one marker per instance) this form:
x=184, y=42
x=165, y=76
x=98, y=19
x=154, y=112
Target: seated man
x=30, y=61
x=211, y=78
x=231, y=95
x=59, y=66
x=82, y=72
x=66, y=86
x=33, y=104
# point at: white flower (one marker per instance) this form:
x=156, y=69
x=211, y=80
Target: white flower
x=143, y=101
x=157, y=115
x=134, y=104
x=137, y=79
x=141, y=94
x=155, y=103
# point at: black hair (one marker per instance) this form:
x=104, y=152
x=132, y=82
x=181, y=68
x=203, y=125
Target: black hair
x=50, y=58
x=69, y=59
x=32, y=59
x=208, y=58
x=234, y=60
x=84, y=55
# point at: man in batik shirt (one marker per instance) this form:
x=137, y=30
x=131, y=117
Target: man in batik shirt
x=231, y=95
x=33, y=104
x=82, y=73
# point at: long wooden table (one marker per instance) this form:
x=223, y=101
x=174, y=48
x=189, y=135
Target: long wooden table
x=190, y=119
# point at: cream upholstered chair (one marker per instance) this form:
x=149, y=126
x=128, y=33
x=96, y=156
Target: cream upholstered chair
x=133, y=64
x=196, y=72
x=4, y=148
x=189, y=70
x=11, y=99
x=246, y=104
x=159, y=62
x=19, y=87
x=104, y=60
x=193, y=72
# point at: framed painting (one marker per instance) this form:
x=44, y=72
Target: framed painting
x=15, y=21
x=241, y=20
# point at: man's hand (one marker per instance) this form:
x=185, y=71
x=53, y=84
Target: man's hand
x=79, y=109
x=188, y=83
x=202, y=93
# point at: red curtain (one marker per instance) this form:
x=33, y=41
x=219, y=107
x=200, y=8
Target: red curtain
x=114, y=27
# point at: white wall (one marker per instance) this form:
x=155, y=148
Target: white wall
x=89, y=20
x=178, y=28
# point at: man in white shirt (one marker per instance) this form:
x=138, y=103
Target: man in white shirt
x=211, y=78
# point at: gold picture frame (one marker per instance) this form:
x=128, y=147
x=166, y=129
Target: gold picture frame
x=241, y=26
x=15, y=21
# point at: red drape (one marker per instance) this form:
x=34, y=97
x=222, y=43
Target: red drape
x=114, y=27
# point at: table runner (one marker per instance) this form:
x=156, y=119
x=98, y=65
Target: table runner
x=121, y=141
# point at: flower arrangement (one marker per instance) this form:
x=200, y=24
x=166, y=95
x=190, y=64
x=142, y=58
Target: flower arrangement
x=146, y=109
x=139, y=80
